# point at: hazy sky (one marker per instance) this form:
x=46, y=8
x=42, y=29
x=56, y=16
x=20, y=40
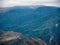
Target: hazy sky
x=10, y=3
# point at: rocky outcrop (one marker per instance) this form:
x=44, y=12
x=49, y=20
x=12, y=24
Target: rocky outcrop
x=14, y=38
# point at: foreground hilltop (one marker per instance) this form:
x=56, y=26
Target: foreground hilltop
x=14, y=38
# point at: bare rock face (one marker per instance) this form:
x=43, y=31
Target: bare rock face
x=14, y=38
x=10, y=35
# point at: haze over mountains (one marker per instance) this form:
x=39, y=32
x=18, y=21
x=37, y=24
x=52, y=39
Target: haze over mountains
x=12, y=3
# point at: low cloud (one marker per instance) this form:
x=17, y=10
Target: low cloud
x=10, y=3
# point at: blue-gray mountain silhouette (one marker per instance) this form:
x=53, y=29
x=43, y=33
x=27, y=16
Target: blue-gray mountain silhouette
x=33, y=22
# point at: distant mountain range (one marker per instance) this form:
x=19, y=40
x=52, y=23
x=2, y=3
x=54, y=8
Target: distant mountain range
x=38, y=21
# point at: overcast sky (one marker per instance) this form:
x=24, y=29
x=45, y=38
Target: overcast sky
x=11, y=3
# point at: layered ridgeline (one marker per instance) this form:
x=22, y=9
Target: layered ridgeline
x=32, y=21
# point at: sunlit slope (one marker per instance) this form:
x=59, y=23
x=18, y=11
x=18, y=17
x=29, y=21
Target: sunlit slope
x=14, y=38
